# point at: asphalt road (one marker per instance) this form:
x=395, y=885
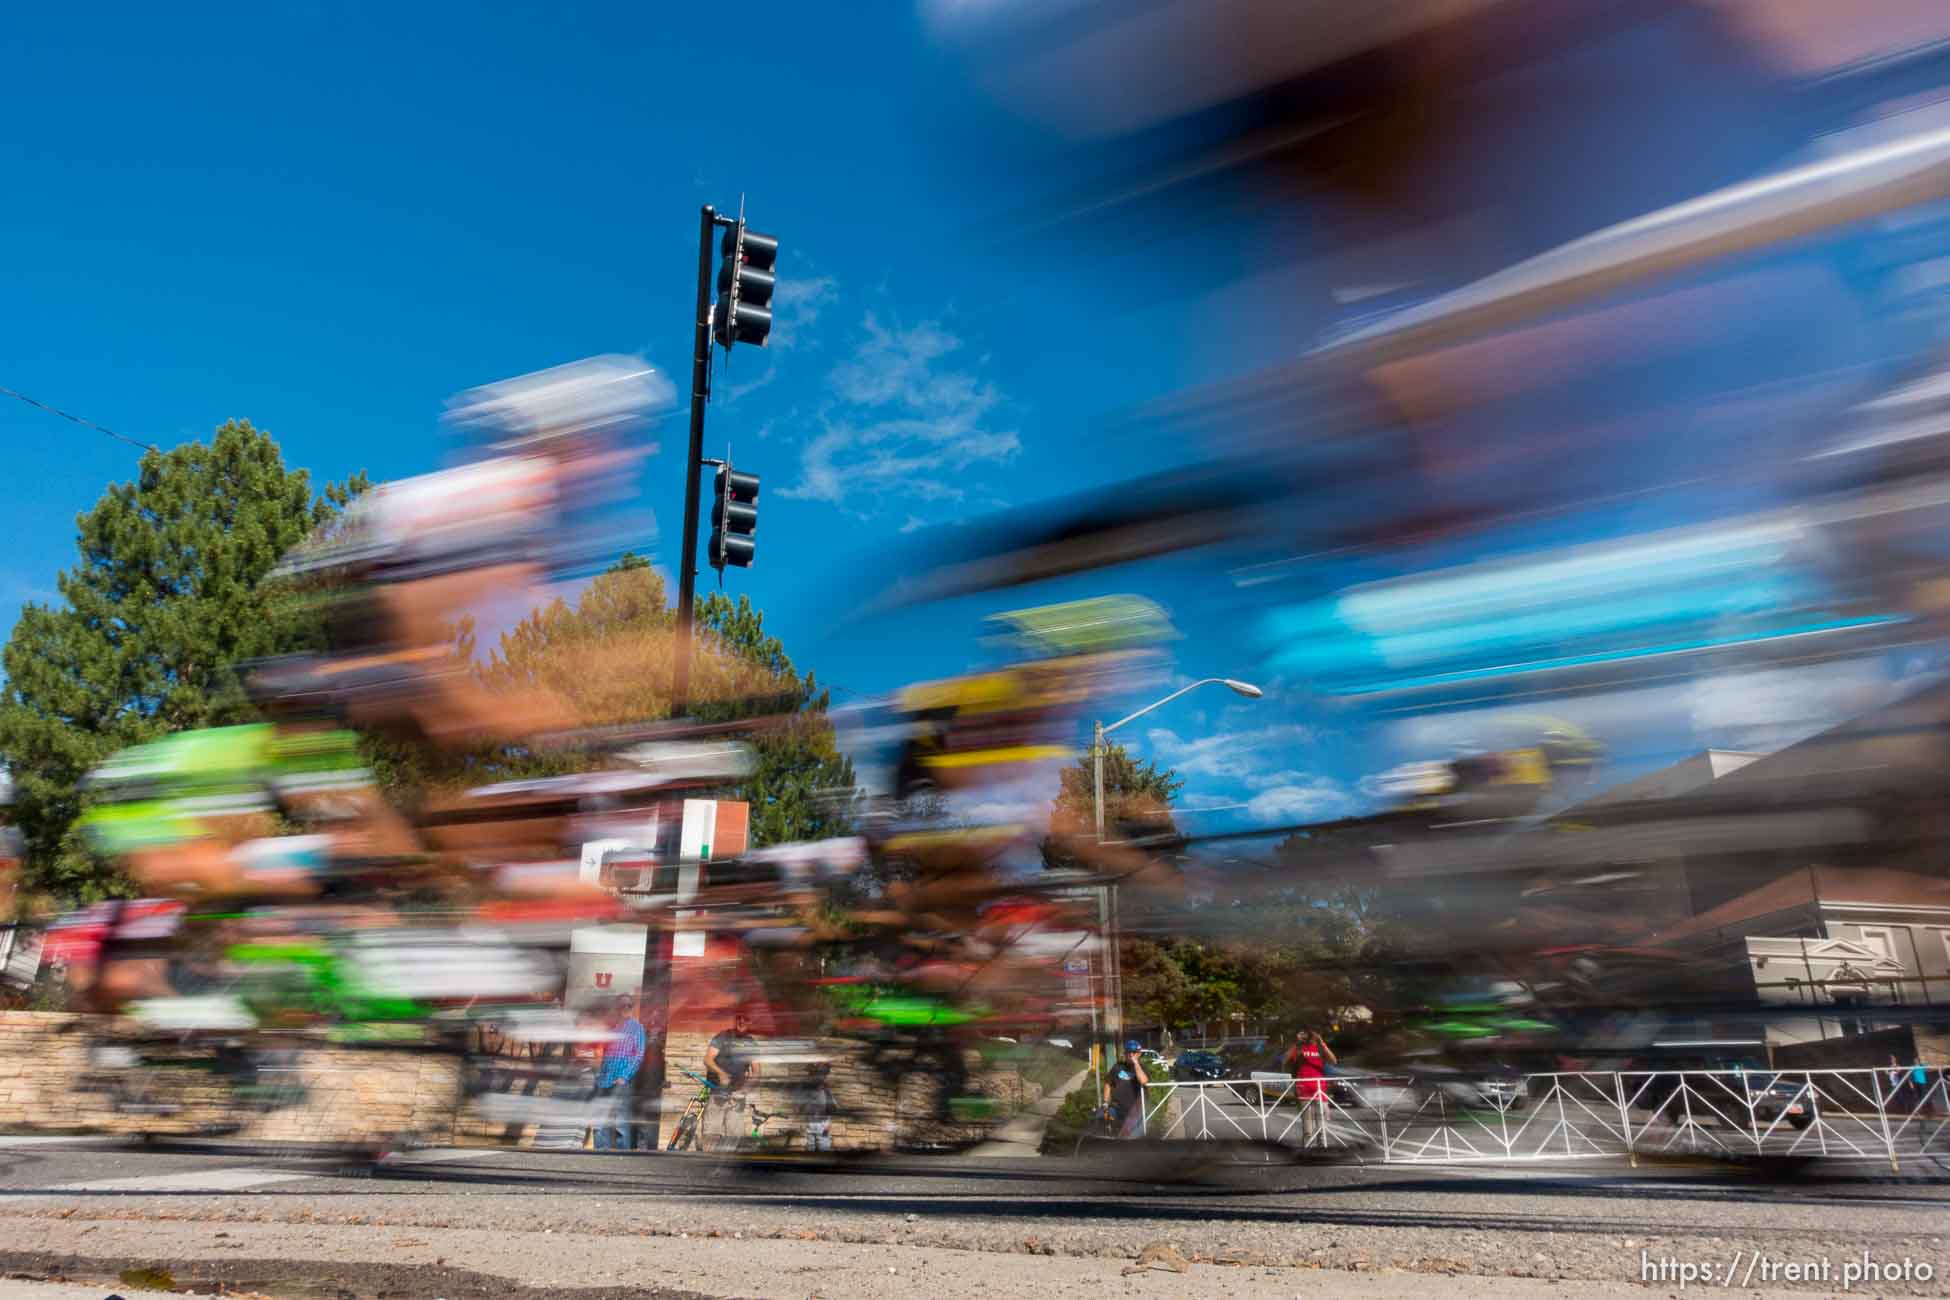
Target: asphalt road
x=494, y=1222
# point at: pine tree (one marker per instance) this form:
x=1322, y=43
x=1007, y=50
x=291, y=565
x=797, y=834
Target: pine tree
x=167, y=597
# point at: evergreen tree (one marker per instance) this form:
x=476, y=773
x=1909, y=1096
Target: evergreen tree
x=610, y=653
x=166, y=599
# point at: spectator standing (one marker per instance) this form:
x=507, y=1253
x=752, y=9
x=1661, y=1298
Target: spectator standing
x=729, y=1065
x=1308, y=1059
x=622, y=1058
x=1897, y=1087
x=1124, y=1084
x=819, y=1109
x=646, y=1093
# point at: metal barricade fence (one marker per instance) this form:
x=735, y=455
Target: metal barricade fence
x=1860, y=1114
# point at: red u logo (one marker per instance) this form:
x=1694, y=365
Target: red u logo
x=603, y=978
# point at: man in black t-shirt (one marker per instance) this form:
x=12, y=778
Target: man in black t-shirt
x=1124, y=1084
x=729, y=1065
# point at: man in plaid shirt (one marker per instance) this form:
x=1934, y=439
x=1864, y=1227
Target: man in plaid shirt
x=622, y=1058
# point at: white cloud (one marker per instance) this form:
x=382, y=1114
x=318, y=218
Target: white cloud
x=913, y=522
x=796, y=306
x=1308, y=799
x=1229, y=756
x=23, y=590
x=902, y=412
x=1766, y=711
x=1208, y=803
x=1023, y=799
x=763, y=380
x=1257, y=761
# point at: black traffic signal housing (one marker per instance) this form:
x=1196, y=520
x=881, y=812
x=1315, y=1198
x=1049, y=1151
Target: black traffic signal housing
x=734, y=519
x=745, y=280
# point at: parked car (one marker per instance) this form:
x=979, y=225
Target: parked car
x=1499, y=1092
x=1200, y=1067
x=1479, y=1088
x=1387, y=1094
x=1234, y=1048
x=1773, y=1100
x=1267, y=1086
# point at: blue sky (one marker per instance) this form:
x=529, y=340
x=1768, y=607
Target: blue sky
x=328, y=218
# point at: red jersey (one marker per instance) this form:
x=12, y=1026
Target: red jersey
x=1309, y=1066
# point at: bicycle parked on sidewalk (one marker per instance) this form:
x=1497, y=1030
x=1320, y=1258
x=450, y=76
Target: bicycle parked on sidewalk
x=692, y=1119
x=693, y=1116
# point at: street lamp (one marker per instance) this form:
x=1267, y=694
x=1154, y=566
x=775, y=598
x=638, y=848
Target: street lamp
x=1107, y=895
x=1246, y=689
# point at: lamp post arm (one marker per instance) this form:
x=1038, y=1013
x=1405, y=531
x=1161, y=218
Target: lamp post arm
x=1205, y=681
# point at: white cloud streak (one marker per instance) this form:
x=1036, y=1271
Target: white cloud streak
x=902, y=412
x=1259, y=761
x=1303, y=799
x=796, y=307
x=1238, y=756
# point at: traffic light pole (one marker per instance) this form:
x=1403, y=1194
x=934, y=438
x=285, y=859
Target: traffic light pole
x=680, y=672
x=655, y=1009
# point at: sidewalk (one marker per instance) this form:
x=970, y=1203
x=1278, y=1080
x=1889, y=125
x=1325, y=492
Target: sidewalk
x=302, y=1262
x=1022, y=1136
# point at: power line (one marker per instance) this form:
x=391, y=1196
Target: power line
x=86, y=424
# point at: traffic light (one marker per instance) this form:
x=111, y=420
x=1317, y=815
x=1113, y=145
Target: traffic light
x=744, y=310
x=734, y=519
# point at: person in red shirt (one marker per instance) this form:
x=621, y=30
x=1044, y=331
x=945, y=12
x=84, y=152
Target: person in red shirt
x=1309, y=1058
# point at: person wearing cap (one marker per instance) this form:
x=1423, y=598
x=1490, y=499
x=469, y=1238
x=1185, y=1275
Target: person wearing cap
x=1124, y=1084
x=729, y=1065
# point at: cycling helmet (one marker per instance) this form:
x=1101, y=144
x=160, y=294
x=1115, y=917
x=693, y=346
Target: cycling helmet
x=582, y=399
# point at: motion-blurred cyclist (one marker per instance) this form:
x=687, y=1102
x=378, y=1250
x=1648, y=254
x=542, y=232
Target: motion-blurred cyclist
x=407, y=561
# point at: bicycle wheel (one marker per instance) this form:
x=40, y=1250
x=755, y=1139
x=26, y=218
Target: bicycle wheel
x=686, y=1134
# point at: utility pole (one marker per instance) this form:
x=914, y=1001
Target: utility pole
x=1107, y=919
x=742, y=314
x=680, y=673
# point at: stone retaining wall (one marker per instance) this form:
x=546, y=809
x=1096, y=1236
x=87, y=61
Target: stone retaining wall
x=361, y=1095
x=870, y=1116
x=349, y=1096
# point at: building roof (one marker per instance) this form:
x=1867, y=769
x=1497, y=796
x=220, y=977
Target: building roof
x=1898, y=745
x=1808, y=888
x=1678, y=778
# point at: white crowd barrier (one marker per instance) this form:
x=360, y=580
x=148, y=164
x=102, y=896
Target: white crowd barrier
x=1569, y=1116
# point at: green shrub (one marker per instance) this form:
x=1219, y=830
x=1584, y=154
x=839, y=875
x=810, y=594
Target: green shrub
x=1050, y=1068
x=1047, y=1067
x=1156, y=1099
x=1073, y=1119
